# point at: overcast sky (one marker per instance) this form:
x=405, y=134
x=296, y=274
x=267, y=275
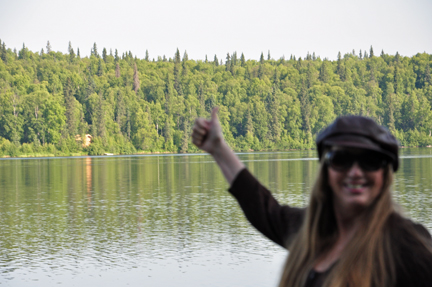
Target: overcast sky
x=217, y=27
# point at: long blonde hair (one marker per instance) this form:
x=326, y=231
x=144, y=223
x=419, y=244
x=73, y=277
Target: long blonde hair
x=367, y=260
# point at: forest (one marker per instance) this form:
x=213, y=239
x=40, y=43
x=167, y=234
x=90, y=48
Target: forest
x=50, y=100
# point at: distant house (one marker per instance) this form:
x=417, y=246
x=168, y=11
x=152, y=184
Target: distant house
x=86, y=142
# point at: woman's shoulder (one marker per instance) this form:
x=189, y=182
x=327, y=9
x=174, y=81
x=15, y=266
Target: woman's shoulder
x=412, y=250
x=400, y=225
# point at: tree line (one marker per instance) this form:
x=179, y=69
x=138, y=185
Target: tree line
x=132, y=105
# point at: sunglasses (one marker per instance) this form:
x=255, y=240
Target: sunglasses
x=343, y=160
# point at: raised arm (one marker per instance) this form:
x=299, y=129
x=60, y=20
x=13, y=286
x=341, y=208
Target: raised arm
x=207, y=135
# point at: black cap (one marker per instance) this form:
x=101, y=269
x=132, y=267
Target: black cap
x=361, y=132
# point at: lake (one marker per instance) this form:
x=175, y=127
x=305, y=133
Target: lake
x=157, y=220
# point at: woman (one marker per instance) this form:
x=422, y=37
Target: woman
x=350, y=234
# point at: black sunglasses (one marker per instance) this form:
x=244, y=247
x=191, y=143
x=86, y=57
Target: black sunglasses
x=343, y=160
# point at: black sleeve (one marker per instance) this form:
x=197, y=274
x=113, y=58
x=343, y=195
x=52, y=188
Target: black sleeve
x=279, y=223
x=414, y=267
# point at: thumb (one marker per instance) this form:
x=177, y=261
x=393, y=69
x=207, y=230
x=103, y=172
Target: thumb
x=214, y=116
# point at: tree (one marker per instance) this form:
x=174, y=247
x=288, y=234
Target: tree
x=104, y=54
x=117, y=70
x=216, y=61
x=177, y=57
x=228, y=63
x=427, y=76
x=100, y=68
x=116, y=56
x=136, y=81
x=242, y=60
x=71, y=52
x=262, y=59
x=324, y=72
x=4, y=53
x=71, y=121
x=147, y=55
x=94, y=50
x=48, y=47
x=371, y=52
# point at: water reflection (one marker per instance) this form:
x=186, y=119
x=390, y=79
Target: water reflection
x=156, y=220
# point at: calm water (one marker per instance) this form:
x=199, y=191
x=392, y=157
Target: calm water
x=157, y=220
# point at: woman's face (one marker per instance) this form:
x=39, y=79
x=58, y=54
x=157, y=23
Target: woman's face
x=354, y=186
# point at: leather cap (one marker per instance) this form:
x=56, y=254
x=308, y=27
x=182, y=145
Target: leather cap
x=359, y=132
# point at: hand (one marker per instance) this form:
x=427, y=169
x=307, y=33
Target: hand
x=207, y=134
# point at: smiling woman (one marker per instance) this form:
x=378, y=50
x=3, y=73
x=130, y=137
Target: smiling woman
x=350, y=234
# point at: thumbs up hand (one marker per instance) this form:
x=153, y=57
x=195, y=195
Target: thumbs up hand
x=207, y=134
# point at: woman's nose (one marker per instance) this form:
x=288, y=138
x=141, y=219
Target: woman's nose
x=355, y=170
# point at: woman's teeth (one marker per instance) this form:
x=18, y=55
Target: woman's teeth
x=354, y=186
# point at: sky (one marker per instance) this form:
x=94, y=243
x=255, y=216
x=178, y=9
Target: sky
x=208, y=27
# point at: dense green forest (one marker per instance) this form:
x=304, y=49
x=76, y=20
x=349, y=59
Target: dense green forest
x=132, y=105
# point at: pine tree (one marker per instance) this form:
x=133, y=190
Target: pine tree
x=371, y=52
x=382, y=53
x=185, y=57
x=242, y=60
x=100, y=68
x=136, y=83
x=147, y=56
x=185, y=139
x=268, y=56
x=71, y=121
x=71, y=52
x=116, y=56
x=228, y=62
x=78, y=53
x=117, y=70
x=427, y=76
x=262, y=59
x=42, y=52
x=48, y=47
x=397, y=58
x=94, y=51
x=177, y=57
x=360, y=55
x=104, y=55
x=4, y=53
x=324, y=73
x=216, y=61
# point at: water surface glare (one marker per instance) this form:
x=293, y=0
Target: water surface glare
x=159, y=220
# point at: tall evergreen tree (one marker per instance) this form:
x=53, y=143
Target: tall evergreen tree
x=262, y=59
x=216, y=61
x=242, y=60
x=48, y=47
x=117, y=70
x=147, y=56
x=94, y=50
x=71, y=121
x=177, y=57
x=371, y=52
x=136, y=81
x=104, y=55
x=100, y=68
x=427, y=75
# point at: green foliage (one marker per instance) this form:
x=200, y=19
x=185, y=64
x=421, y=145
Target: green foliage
x=133, y=105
